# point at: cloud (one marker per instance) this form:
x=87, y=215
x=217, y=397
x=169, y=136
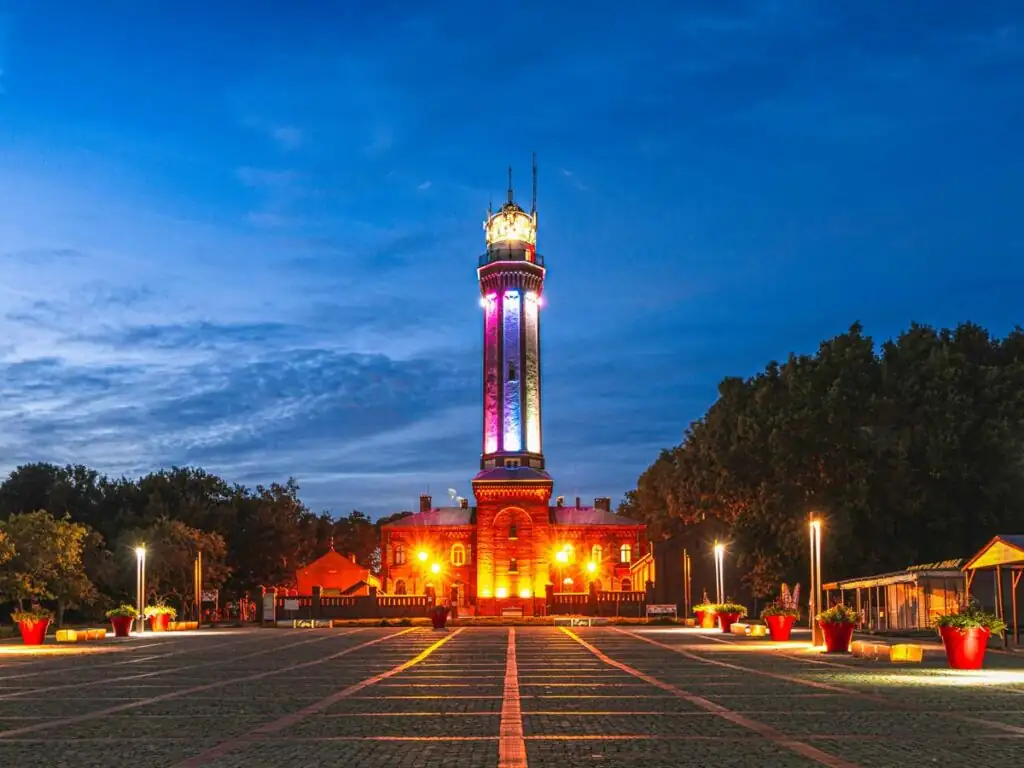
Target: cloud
x=425, y=185
x=573, y=180
x=288, y=136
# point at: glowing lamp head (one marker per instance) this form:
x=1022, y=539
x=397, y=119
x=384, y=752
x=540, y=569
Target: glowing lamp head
x=511, y=224
x=140, y=552
x=422, y=555
x=719, y=548
x=816, y=525
x=567, y=581
x=435, y=568
x=524, y=593
x=562, y=556
x=591, y=566
x=501, y=592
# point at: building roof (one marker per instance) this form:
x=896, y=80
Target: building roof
x=332, y=571
x=588, y=516
x=440, y=516
x=1005, y=549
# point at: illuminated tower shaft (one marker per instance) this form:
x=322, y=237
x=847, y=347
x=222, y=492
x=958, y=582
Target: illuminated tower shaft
x=511, y=276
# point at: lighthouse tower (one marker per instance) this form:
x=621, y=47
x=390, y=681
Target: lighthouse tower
x=512, y=488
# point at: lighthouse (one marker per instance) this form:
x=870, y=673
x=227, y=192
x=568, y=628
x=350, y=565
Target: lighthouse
x=511, y=275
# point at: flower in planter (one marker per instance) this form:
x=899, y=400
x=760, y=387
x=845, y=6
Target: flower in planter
x=787, y=604
x=161, y=609
x=32, y=615
x=730, y=607
x=705, y=605
x=838, y=614
x=123, y=611
x=970, y=616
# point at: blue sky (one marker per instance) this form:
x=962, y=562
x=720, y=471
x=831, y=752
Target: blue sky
x=244, y=235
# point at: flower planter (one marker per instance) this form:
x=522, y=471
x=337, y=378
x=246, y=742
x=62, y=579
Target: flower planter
x=33, y=632
x=838, y=635
x=700, y=618
x=158, y=622
x=779, y=626
x=726, y=620
x=708, y=620
x=122, y=625
x=965, y=648
x=439, y=617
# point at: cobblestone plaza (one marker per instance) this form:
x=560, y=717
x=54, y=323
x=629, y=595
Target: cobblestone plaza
x=498, y=696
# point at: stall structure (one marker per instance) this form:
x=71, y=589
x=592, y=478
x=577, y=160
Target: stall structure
x=1004, y=557
x=911, y=599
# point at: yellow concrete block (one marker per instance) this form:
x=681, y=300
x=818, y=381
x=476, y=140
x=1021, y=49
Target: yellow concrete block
x=865, y=649
x=67, y=636
x=758, y=630
x=906, y=653
x=96, y=634
x=691, y=622
x=739, y=628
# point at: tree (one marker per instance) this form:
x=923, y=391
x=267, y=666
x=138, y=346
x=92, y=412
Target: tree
x=171, y=550
x=911, y=451
x=46, y=561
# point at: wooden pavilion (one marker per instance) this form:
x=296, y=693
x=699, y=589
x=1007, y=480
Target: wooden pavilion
x=1004, y=557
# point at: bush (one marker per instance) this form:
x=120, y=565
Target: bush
x=123, y=610
x=730, y=607
x=33, y=614
x=971, y=616
x=161, y=609
x=787, y=604
x=838, y=614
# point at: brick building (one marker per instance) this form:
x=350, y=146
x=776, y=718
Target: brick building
x=504, y=553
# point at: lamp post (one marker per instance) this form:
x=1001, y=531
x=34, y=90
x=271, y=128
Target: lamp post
x=140, y=584
x=815, y=598
x=719, y=571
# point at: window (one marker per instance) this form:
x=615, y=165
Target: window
x=625, y=554
x=512, y=533
x=400, y=587
x=513, y=565
x=512, y=463
x=458, y=554
x=399, y=555
x=627, y=585
x=512, y=372
x=596, y=553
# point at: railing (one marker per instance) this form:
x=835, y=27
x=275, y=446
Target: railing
x=510, y=254
x=372, y=606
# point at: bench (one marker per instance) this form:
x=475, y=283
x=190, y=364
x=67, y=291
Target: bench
x=579, y=621
x=668, y=609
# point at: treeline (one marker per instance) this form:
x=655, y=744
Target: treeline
x=912, y=451
x=68, y=535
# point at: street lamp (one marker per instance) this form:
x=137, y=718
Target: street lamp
x=815, y=598
x=719, y=571
x=423, y=555
x=140, y=584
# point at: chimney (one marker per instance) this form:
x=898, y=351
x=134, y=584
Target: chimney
x=560, y=502
x=426, y=502
x=603, y=502
x=577, y=502
x=352, y=557
x=463, y=503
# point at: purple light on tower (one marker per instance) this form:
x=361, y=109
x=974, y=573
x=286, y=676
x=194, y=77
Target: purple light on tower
x=511, y=275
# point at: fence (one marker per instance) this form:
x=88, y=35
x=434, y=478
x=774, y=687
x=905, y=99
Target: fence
x=597, y=603
x=372, y=606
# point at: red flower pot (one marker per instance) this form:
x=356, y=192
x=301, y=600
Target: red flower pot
x=965, y=648
x=726, y=620
x=33, y=632
x=700, y=618
x=779, y=627
x=158, y=622
x=439, y=617
x=837, y=636
x=122, y=625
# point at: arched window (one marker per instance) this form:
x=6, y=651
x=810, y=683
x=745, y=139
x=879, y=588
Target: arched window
x=596, y=553
x=458, y=554
x=513, y=565
x=400, y=587
x=627, y=585
x=625, y=554
x=399, y=554
x=513, y=532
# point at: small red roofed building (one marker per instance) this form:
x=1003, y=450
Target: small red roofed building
x=514, y=545
x=336, y=575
